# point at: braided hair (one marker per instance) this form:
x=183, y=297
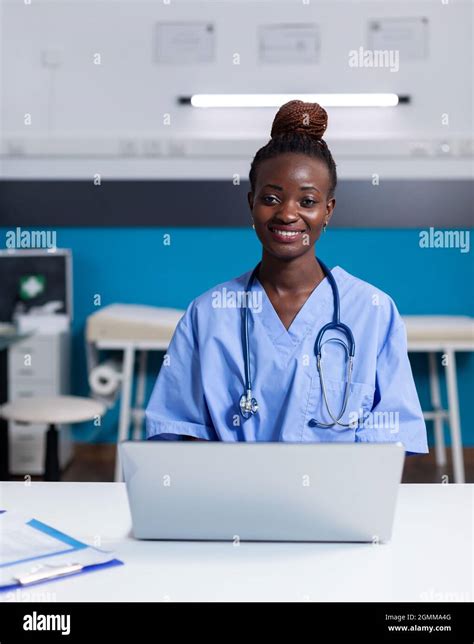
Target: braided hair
x=298, y=127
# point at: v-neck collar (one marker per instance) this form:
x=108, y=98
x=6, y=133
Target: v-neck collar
x=312, y=310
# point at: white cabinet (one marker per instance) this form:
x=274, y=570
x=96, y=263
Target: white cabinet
x=37, y=366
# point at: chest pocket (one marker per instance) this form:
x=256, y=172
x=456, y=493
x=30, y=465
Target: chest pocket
x=359, y=401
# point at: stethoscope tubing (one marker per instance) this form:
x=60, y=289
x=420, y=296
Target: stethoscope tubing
x=249, y=405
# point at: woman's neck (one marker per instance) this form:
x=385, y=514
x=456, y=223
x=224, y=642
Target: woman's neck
x=298, y=275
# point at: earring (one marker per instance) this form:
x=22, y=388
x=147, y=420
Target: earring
x=325, y=226
x=253, y=225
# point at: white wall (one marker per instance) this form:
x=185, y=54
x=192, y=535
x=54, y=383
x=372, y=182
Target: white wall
x=109, y=118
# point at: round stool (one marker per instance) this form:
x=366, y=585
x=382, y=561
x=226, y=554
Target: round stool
x=52, y=410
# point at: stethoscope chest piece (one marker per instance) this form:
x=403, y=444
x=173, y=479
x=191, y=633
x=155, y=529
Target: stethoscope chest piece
x=248, y=405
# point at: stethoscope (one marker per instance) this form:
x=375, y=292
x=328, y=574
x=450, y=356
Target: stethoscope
x=249, y=404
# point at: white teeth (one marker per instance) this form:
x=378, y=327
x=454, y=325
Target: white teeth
x=285, y=233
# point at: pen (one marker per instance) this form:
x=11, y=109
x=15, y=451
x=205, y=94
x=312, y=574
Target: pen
x=47, y=572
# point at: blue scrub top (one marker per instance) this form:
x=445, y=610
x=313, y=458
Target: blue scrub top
x=200, y=383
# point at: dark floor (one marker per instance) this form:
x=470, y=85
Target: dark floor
x=95, y=462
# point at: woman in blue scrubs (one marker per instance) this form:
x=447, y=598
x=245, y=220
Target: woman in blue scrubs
x=196, y=395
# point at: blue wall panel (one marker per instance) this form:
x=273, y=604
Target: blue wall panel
x=133, y=265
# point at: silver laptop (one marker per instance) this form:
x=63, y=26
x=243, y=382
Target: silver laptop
x=262, y=491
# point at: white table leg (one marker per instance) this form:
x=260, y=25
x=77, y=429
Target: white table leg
x=454, y=420
x=140, y=395
x=440, y=450
x=125, y=400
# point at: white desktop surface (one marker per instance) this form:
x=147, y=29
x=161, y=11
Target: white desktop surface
x=430, y=557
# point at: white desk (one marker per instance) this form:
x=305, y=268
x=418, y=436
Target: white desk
x=430, y=557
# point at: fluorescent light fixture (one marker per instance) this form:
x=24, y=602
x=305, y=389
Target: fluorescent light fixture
x=275, y=100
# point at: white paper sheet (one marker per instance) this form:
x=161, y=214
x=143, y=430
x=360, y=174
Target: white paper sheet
x=19, y=541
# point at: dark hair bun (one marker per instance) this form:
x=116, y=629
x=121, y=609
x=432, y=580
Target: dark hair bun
x=302, y=118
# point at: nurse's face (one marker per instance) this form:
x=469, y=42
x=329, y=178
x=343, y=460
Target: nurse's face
x=290, y=204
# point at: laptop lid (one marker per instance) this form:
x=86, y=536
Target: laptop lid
x=262, y=491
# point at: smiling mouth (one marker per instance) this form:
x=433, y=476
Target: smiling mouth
x=285, y=233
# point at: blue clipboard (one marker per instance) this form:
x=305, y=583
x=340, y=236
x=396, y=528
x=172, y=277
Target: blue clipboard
x=70, y=544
